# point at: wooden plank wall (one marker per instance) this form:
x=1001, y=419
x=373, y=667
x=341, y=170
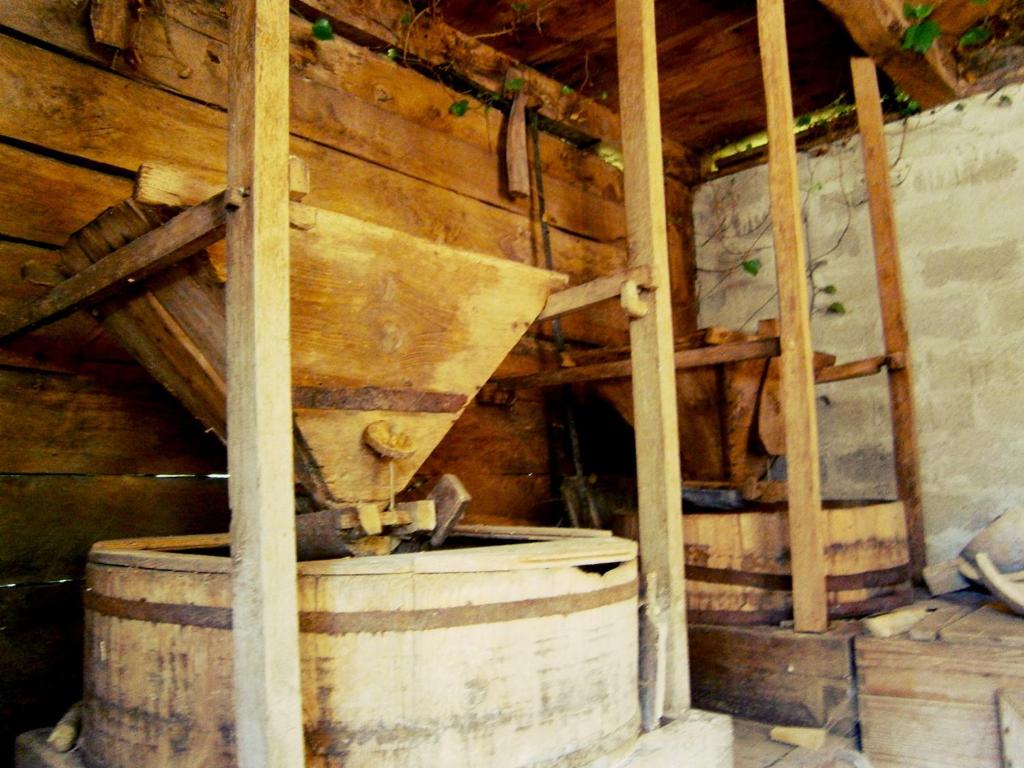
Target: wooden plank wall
x=85, y=430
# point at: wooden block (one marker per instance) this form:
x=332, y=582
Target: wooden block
x=1011, y=726
x=776, y=675
x=895, y=622
x=945, y=577
x=811, y=738
x=451, y=502
x=423, y=514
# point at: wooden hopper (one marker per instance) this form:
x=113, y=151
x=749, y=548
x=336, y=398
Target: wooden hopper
x=386, y=329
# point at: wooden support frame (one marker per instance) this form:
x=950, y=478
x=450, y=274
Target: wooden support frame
x=579, y=297
x=181, y=237
x=807, y=521
x=890, y=294
x=268, y=710
x=654, y=383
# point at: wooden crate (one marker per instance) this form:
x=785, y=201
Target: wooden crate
x=776, y=675
x=933, y=703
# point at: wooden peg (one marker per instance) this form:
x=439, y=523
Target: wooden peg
x=631, y=302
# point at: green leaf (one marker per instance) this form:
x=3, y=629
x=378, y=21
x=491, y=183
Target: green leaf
x=520, y=8
x=567, y=89
x=919, y=37
x=514, y=84
x=910, y=107
x=392, y=53
x=406, y=19
x=917, y=12
x=322, y=29
x=1004, y=101
x=459, y=108
x=803, y=121
x=975, y=36
x=751, y=266
x=836, y=308
x=959, y=107
x=830, y=289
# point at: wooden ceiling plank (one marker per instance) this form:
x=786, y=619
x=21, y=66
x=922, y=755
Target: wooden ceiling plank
x=438, y=44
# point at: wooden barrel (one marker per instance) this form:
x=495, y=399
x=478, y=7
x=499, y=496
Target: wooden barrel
x=738, y=572
x=512, y=655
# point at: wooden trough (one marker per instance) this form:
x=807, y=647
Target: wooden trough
x=516, y=655
x=386, y=329
x=738, y=563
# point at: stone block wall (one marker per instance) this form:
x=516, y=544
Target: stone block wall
x=958, y=175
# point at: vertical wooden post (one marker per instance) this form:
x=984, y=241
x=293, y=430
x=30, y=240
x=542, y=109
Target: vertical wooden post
x=807, y=524
x=890, y=294
x=268, y=710
x=682, y=262
x=654, y=383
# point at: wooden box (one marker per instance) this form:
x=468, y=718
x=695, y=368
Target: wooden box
x=776, y=675
x=933, y=704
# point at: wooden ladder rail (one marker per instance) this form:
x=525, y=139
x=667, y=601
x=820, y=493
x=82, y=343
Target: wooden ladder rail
x=890, y=294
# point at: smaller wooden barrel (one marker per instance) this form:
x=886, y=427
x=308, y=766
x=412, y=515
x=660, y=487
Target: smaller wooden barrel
x=738, y=571
x=512, y=656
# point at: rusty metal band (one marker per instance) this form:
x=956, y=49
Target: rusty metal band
x=327, y=623
x=878, y=604
x=783, y=582
x=377, y=399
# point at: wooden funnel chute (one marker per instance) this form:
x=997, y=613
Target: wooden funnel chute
x=389, y=331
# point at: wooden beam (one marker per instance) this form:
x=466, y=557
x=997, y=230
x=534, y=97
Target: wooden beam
x=654, y=383
x=621, y=369
x=852, y=370
x=434, y=42
x=579, y=297
x=890, y=293
x=878, y=26
x=807, y=522
x=181, y=237
x=268, y=711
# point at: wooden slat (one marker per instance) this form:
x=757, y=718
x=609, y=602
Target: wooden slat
x=397, y=118
x=930, y=734
x=52, y=198
x=268, y=711
x=176, y=131
x=807, y=522
x=432, y=40
x=580, y=297
x=654, y=384
x=684, y=358
x=181, y=237
x=1011, y=726
x=853, y=370
x=48, y=522
x=97, y=425
x=890, y=292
